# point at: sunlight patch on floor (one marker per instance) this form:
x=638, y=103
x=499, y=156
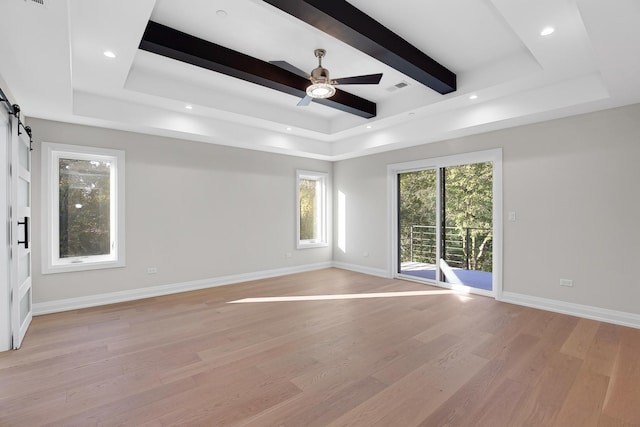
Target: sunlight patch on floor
x=348, y=296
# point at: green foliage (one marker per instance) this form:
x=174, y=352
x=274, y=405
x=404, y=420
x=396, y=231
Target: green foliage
x=308, y=209
x=468, y=216
x=84, y=192
x=418, y=208
x=469, y=195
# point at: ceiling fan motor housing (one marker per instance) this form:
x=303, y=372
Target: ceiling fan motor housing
x=320, y=75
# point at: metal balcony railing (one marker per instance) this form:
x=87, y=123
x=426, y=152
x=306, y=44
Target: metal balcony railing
x=469, y=248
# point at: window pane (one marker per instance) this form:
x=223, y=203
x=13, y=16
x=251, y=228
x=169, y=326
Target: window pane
x=23, y=193
x=23, y=156
x=24, y=267
x=308, y=209
x=311, y=209
x=25, y=306
x=85, y=206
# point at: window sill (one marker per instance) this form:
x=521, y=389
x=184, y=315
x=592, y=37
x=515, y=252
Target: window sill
x=81, y=266
x=312, y=245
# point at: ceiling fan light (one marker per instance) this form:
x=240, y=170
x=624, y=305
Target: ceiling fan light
x=321, y=90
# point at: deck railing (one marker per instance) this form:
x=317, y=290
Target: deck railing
x=469, y=248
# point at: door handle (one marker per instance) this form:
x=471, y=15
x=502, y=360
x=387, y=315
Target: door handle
x=25, y=242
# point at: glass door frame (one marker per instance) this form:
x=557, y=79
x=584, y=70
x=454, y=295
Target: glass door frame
x=394, y=170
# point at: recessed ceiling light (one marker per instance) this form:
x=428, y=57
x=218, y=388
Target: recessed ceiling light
x=188, y=107
x=221, y=13
x=473, y=97
x=109, y=54
x=288, y=128
x=547, y=31
x=412, y=113
x=369, y=126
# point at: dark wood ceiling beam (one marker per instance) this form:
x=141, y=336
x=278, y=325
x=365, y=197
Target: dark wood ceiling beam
x=171, y=43
x=345, y=22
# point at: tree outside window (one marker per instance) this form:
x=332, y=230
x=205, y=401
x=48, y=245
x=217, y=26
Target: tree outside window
x=312, y=205
x=84, y=207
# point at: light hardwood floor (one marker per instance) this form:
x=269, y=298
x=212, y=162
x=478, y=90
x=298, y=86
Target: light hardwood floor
x=400, y=359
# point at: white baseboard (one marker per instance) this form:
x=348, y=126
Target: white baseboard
x=155, y=291
x=586, y=311
x=361, y=269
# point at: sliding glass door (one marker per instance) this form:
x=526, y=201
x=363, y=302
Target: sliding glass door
x=467, y=210
x=445, y=223
x=417, y=227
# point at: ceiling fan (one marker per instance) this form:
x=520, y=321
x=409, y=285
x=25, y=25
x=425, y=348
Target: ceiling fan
x=321, y=84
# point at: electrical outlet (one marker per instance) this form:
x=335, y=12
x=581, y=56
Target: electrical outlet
x=152, y=270
x=288, y=255
x=566, y=282
x=512, y=215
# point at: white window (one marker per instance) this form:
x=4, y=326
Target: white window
x=83, y=194
x=312, y=209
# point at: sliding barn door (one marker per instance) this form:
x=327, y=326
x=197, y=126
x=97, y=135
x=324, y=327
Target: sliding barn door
x=20, y=218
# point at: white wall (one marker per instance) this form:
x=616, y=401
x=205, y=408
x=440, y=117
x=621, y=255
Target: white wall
x=573, y=183
x=195, y=211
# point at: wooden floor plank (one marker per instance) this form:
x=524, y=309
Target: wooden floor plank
x=623, y=397
x=581, y=339
x=605, y=343
x=501, y=405
x=549, y=393
x=439, y=359
x=584, y=402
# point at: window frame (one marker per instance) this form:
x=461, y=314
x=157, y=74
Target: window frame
x=51, y=261
x=322, y=179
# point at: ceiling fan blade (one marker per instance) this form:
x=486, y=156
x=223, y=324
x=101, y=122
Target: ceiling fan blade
x=286, y=66
x=305, y=101
x=369, y=79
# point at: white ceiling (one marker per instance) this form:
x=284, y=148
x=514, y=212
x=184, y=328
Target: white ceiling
x=52, y=59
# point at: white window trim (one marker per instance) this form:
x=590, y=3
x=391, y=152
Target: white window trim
x=322, y=177
x=51, y=152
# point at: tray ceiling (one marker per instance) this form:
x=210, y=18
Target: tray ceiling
x=53, y=62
